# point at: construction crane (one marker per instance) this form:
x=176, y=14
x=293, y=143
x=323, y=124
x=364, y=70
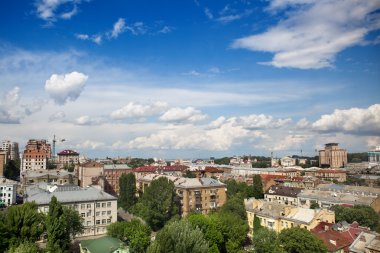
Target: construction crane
x=54, y=141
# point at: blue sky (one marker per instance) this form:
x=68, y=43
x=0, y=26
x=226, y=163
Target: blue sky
x=191, y=79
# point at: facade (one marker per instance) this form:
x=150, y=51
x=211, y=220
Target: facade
x=3, y=161
x=112, y=173
x=201, y=195
x=277, y=216
x=104, y=244
x=60, y=177
x=374, y=155
x=97, y=208
x=283, y=195
x=89, y=171
x=36, y=155
x=11, y=148
x=288, y=161
x=328, y=175
x=366, y=242
x=332, y=156
x=7, y=191
x=68, y=157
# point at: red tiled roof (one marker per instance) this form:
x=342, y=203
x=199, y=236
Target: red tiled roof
x=145, y=169
x=68, y=152
x=156, y=168
x=331, y=171
x=267, y=177
x=213, y=170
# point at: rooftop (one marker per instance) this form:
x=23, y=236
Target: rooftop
x=117, y=167
x=183, y=182
x=348, y=188
x=68, y=152
x=104, y=244
x=283, y=191
x=43, y=173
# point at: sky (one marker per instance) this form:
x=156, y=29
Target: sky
x=191, y=78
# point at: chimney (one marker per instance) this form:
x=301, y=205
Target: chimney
x=326, y=228
x=333, y=242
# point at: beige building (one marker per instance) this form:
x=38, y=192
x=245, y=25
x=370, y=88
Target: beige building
x=332, y=156
x=283, y=195
x=201, y=195
x=3, y=160
x=277, y=216
x=288, y=161
x=97, y=208
x=59, y=177
x=36, y=155
x=327, y=175
x=11, y=148
x=68, y=157
x=89, y=171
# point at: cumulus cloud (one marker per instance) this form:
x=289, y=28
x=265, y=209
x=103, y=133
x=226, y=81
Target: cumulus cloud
x=7, y=105
x=57, y=116
x=314, y=32
x=361, y=121
x=89, y=144
x=260, y=121
x=302, y=123
x=51, y=10
x=62, y=88
x=136, y=110
x=291, y=142
x=188, y=114
x=86, y=120
x=118, y=28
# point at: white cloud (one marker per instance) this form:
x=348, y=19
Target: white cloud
x=188, y=114
x=232, y=17
x=51, y=10
x=291, y=142
x=314, y=32
x=302, y=123
x=86, y=120
x=57, y=116
x=118, y=28
x=361, y=121
x=137, y=28
x=7, y=105
x=214, y=70
x=11, y=98
x=135, y=110
x=82, y=36
x=89, y=144
x=166, y=29
x=65, y=87
x=260, y=121
x=208, y=13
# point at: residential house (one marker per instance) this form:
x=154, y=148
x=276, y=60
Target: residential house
x=283, y=195
x=366, y=242
x=7, y=191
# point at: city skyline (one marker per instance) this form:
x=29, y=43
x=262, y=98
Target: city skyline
x=191, y=78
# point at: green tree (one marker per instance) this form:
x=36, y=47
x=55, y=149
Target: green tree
x=158, y=204
x=364, y=215
x=179, y=237
x=235, y=205
x=222, y=161
x=256, y=224
x=26, y=247
x=189, y=174
x=74, y=221
x=266, y=241
x=127, y=197
x=258, y=192
x=238, y=188
x=314, y=205
x=299, y=240
x=12, y=169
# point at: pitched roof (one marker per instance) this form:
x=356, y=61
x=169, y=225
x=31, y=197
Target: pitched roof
x=68, y=152
x=283, y=191
x=104, y=244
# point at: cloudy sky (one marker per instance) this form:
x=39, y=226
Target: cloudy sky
x=191, y=78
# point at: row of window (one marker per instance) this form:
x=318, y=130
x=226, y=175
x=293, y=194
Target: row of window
x=98, y=222
x=4, y=195
x=5, y=188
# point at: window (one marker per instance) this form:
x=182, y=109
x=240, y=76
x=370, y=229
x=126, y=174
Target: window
x=88, y=205
x=103, y=213
x=97, y=205
x=97, y=214
x=104, y=221
x=88, y=223
x=88, y=213
x=108, y=204
x=97, y=222
x=103, y=204
x=82, y=206
x=108, y=221
x=108, y=212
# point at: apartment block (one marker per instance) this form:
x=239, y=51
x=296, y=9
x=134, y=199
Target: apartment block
x=59, y=177
x=68, y=157
x=332, y=156
x=328, y=175
x=7, y=191
x=112, y=173
x=201, y=195
x=3, y=161
x=88, y=172
x=283, y=195
x=97, y=208
x=11, y=148
x=36, y=155
x=277, y=216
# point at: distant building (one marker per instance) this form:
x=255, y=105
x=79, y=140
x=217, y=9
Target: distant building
x=59, y=177
x=327, y=174
x=7, y=191
x=374, y=155
x=97, y=208
x=366, y=242
x=104, y=244
x=3, y=161
x=288, y=161
x=89, y=171
x=283, y=195
x=241, y=161
x=11, y=148
x=36, y=155
x=112, y=173
x=201, y=195
x=332, y=156
x=277, y=217
x=68, y=157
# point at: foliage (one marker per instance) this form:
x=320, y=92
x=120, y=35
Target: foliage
x=235, y=205
x=137, y=162
x=258, y=192
x=134, y=233
x=222, y=161
x=256, y=224
x=357, y=157
x=261, y=164
x=179, y=237
x=12, y=169
x=300, y=240
x=158, y=204
x=189, y=174
x=238, y=188
x=20, y=223
x=74, y=221
x=364, y=215
x=26, y=247
x=127, y=197
x=69, y=167
x=209, y=229
x=355, y=181
x=265, y=241
x=314, y=205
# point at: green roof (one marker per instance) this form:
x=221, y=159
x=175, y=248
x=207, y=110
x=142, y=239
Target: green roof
x=105, y=244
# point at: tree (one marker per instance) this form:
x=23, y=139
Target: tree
x=256, y=224
x=258, y=192
x=26, y=247
x=266, y=241
x=235, y=205
x=158, y=204
x=299, y=240
x=127, y=197
x=238, y=188
x=364, y=215
x=189, y=174
x=221, y=161
x=74, y=221
x=179, y=237
x=12, y=169
x=314, y=205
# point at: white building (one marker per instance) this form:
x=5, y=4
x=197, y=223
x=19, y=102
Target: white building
x=11, y=148
x=97, y=208
x=288, y=161
x=7, y=191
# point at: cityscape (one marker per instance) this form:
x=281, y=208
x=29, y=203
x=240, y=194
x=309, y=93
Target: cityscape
x=190, y=126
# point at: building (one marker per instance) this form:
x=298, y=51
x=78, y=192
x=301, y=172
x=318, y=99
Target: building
x=277, y=216
x=374, y=155
x=288, y=161
x=332, y=156
x=283, y=195
x=366, y=242
x=104, y=244
x=3, y=161
x=97, y=208
x=68, y=157
x=88, y=172
x=327, y=175
x=59, y=177
x=201, y=195
x=338, y=237
x=11, y=148
x=301, y=182
x=241, y=161
x=112, y=173
x=7, y=192
x=352, y=189
x=36, y=155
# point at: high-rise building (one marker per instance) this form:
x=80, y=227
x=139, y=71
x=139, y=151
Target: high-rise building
x=36, y=155
x=11, y=148
x=374, y=155
x=3, y=159
x=332, y=156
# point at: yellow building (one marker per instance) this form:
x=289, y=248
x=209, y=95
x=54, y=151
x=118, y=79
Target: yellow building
x=276, y=216
x=202, y=195
x=332, y=156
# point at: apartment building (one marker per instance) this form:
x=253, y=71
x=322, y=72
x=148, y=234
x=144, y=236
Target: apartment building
x=59, y=177
x=7, y=191
x=88, y=172
x=11, y=148
x=97, y=208
x=201, y=195
x=283, y=195
x=36, y=155
x=68, y=157
x=332, y=156
x=327, y=174
x=3, y=161
x=112, y=173
x=277, y=216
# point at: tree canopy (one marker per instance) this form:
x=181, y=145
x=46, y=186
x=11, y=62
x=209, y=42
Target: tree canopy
x=127, y=196
x=12, y=169
x=300, y=240
x=266, y=241
x=258, y=192
x=238, y=188
x=364, y=215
